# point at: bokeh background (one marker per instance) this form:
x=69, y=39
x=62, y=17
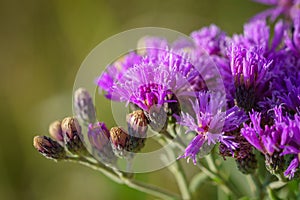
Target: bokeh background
x=42, y=44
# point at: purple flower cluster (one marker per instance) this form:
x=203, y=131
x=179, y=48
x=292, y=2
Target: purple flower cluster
x=256, y=105
x=281, y=138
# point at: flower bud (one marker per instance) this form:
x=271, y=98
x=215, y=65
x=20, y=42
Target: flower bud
x=72, y=136
x=98, y=136
x=84, y=107
x=158, y=119
x=137, y=124
x=123, y=144
x=248, y=164
x=49, y=148
x=56, y=132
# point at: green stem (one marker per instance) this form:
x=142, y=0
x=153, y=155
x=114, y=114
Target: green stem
x=178, y=173
x=227, y=186
x=259, y=188
x=177, y=170
x=121, y=179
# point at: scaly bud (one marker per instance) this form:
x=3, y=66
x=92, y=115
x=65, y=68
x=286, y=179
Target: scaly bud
x=275, y=163
x=137, y=124
x=84, y=107
x=72, y=136
x=98, y=136
x=158, y=119
x=49, y=148
x=248, y=164
x=56, y=132
x=123, y=143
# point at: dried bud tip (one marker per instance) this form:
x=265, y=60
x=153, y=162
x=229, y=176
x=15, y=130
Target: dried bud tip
x=118, y=137
x=137, y=123
x=70, y=127
x=55, y=131
x=48, y=147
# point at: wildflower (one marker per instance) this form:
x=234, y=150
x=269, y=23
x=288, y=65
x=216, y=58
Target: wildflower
x=114, y=72
x=210, y=39
x=250, y=72
x=257, y=35
x=210, y=123
x=276, y=141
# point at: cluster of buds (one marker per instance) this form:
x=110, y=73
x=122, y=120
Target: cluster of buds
x=66, y=138
x=106, y=145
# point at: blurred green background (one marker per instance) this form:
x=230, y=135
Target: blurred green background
x=42, y=44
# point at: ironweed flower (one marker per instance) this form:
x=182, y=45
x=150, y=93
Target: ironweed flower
x=210, y=122
x=210, y=39
x=257, y=34
x=250, y=72
x=114, y=72
x=275, y=141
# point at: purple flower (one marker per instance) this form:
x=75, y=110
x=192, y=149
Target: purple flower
x=280, y=7
x=257, y=35
x=292, y=40
x=282, y=138
x=249, y=68
x=115, y=71
x=210, y=39
x=148, y=83
x=209, y=122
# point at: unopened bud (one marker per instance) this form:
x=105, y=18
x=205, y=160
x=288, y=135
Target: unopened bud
x=137, y=124
x=84, y=107
x=71, y=131
x=123, y=143
x=248, y=164
x=49, y=148
x=98, y=136
x=55, y=131
x=158, y=119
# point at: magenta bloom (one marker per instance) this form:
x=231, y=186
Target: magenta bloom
x=282, y=138
x=210, y=39
x=209, y=122
x=115, y=71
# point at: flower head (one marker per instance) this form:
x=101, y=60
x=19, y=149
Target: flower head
x=210, y=39
x=277, y=140
x=209, y=123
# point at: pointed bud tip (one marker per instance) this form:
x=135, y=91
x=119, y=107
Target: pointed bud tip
x=48, y=147
x=55, y=131
x=84, y=107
